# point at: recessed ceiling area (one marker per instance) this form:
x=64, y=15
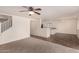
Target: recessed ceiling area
x=48, y=12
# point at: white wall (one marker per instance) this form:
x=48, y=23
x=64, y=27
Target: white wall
x=78, y=26
x=77, y=23
x=65, y=25
x=0, y=28
x=37, y=30
x=20, y=29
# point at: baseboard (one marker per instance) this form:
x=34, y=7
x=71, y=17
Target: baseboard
x=39, y=37
x=64, y=33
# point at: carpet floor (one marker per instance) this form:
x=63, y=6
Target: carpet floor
x=67, y=40
x=34, y=45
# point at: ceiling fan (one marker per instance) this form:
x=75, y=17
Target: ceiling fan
x=31, y=10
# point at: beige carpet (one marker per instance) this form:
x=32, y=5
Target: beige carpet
x=33, y=45
x=68, y=40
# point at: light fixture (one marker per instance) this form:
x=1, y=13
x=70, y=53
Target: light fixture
x=31, y=12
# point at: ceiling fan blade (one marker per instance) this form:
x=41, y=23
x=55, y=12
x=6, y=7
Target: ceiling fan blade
x=37, y=13
x=25, y=6
x=23, y=11
x=38, y=9
x=30, y=9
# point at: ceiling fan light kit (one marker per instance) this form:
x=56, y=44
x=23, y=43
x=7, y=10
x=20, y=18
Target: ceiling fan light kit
x=31, y=12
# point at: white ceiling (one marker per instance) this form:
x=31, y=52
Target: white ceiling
x=48, y=12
